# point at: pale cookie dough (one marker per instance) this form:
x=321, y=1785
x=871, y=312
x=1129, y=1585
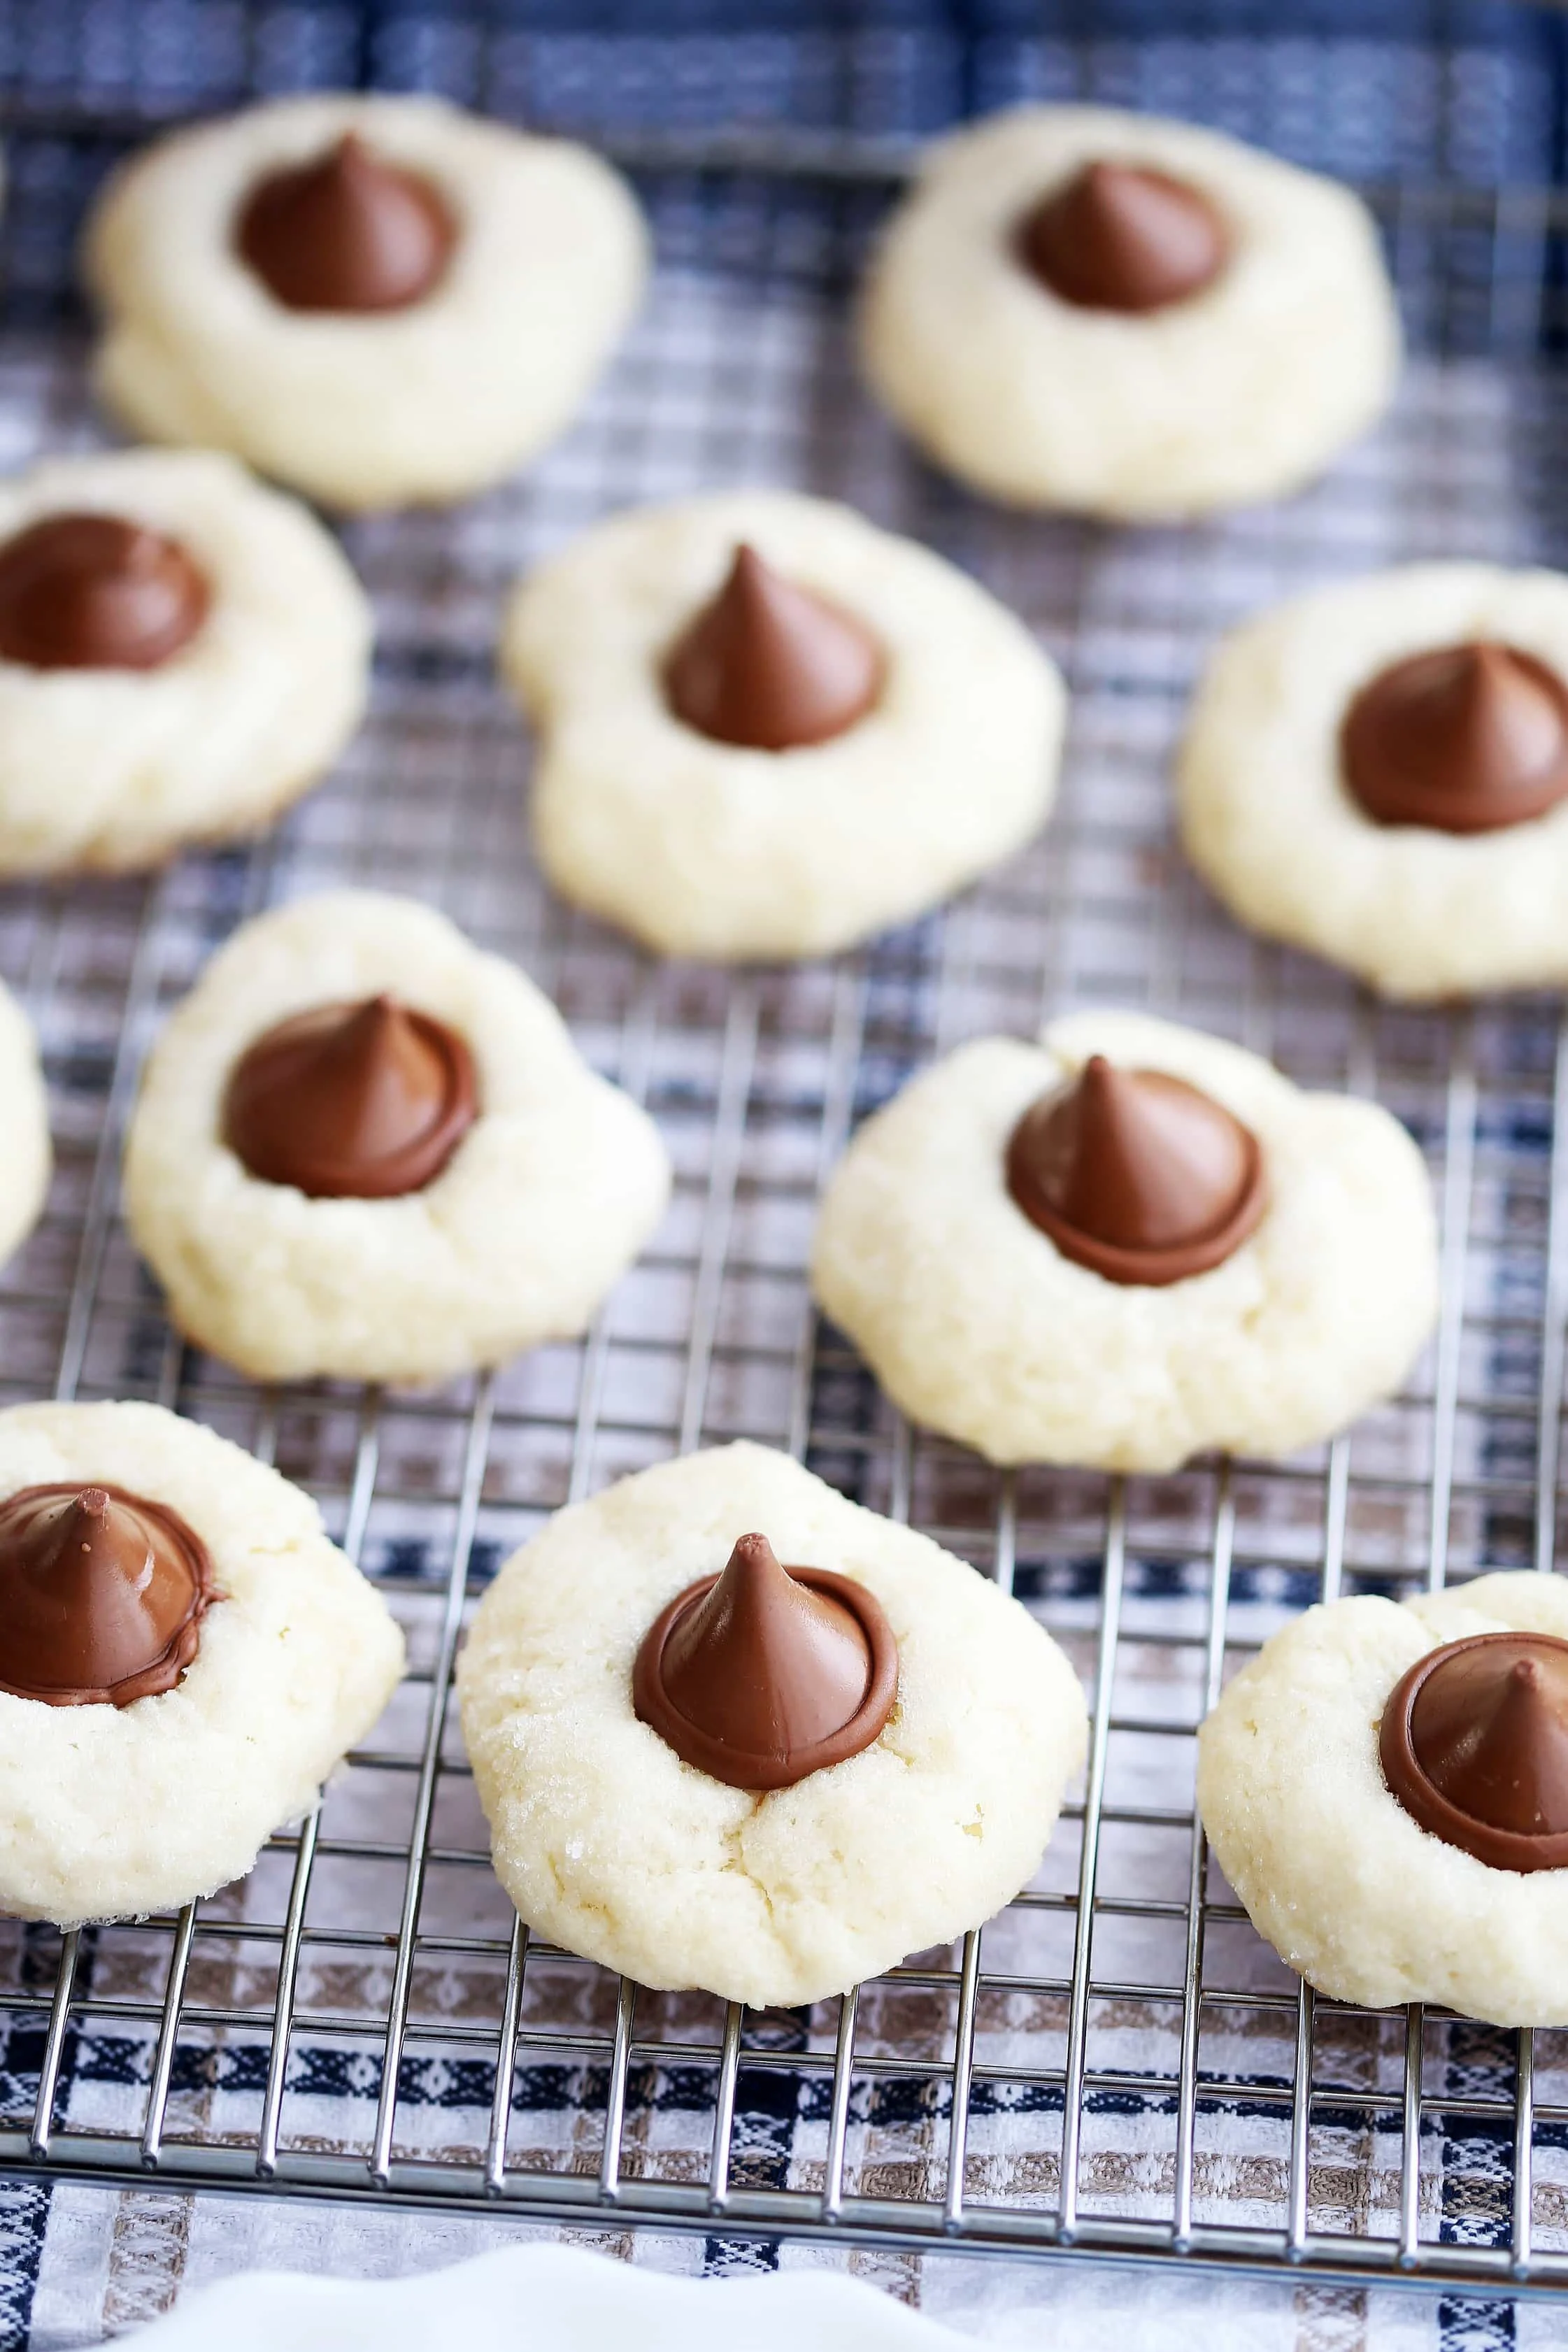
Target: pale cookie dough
x=112, y=1811
x=544, y=1204
x=1242, y=392
x=612, y=1846
x=26, y=1159
x=701, y=848
x=421, y=404
x=977, y=1326
x=1270, y=823
x=1335, y=1873
x=116, y=768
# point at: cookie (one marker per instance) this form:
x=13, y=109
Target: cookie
x=185, y=1659
x=364, y=1148
x=1126, y=1245
x=769, y=729
x=26, y=1161
x=1357, y=1754
x=182, y=653
x=380, y=301
x=1124, y=316
x=901, y=1798
x=1417, y=835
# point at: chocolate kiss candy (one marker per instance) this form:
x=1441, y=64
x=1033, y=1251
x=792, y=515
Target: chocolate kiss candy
x=765, y=1674
x=348, y=232
x=361, y=1101
x=1463, y=739
x=101, y=1596
x=771, y=666
x=1118, y=237
x=93, y=592
x=1474, y=1743
x=1136, y=1175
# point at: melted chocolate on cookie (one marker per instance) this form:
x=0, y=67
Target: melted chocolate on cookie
x=348, y=232
x=1474, y=1743
x=362, y=1101
x=94, y=592
x=1136, y=1175
x=1119, y=238
x=1463, y=739
x=771, y=666
x=101, y=1595
x=766, y=1674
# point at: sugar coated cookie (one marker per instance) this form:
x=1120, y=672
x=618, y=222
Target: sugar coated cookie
x=1420, y=1746
x=1379, y=771
x=364, y=1148
x=733, y=1732
x=181, y=655
x=1126, y=1245
x=185, y=1658
x=380, y=301
x=25, y=1158
x=769, y=729
x=1105, y=311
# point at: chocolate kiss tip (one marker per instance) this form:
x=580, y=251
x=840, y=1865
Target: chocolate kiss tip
x=1136, y=1175
x=363, y=1101
x=101, y=1595
x=348, y=231
x=1462, y=739
x=763, y=1674
x=1474, y=1746
x=1122, y=236
x=771, y=666
x=95, y=590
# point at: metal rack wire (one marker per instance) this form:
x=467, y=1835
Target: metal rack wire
x=1116, y=2065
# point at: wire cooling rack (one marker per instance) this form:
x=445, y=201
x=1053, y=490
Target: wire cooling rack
x=1116, y=2065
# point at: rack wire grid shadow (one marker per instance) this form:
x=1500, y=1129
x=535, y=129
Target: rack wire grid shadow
x=1116, y=2065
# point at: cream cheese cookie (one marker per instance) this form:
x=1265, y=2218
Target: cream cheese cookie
x=1299, y=1766
x=923, y=1817
x=185, y=1658
x=26, y=1160
x=770, y=729
x=1109, y=312
x=364, y=1148
x=182, y=653
x=1126, y=1245
x=380, y=301
x=1418, y=835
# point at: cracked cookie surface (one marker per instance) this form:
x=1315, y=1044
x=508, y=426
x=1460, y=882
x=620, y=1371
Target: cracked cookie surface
x=698, y=847
x=423, y=404
x=978, y=1327
x=1270, y=823
x=612, y=1846
x=543, y=1203
x=1242, y=391
x=1308, y=1833
x=110, y=1811
x=115, y=769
